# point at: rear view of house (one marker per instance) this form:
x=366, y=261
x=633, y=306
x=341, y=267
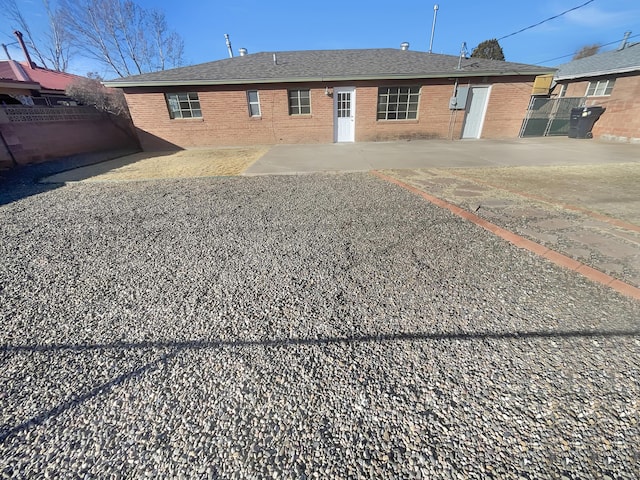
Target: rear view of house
x=326, y=96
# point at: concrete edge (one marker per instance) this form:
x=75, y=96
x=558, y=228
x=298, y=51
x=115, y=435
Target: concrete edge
x=521, y=242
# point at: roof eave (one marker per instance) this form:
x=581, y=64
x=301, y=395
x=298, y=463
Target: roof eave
x=598, y=73
x=17, y=84
x=254, y=81
x=53, y=91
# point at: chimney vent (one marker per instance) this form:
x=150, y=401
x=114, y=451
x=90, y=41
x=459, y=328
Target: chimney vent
x=404, y=46
x=625, y=40
x=24, y=49
x=242, y=51
x=226, y=36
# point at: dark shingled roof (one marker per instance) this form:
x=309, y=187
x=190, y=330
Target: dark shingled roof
x=606, y=63
x=328, y=65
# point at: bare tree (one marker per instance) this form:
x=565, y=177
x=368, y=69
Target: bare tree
x=58, y=41
x=122, y=35
x=50, y=47
x=168, y=45
x=586, y=51
x=90, y=91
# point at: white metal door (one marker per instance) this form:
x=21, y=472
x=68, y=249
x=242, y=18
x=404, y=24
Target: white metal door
x=476, y=108
x=344, y=108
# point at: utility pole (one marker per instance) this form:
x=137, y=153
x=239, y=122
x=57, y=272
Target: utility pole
x=433, y=26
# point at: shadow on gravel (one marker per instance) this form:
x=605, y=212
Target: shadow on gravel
x=397, y=337
x=23, y=181
x=81, y=398
x=178, y=347
x=19, y=184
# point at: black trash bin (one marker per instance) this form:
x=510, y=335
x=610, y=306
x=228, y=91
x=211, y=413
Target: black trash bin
x=582, y=120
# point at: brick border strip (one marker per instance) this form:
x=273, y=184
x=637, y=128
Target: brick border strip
x=521, y=242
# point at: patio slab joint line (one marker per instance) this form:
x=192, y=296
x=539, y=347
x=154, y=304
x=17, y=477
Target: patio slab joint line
x=598, y=216
x=521, y=242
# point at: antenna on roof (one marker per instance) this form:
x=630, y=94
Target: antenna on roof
x=623, y=44
x=226, y=36
x=463, y=54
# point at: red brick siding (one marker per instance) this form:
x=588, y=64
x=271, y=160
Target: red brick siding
x=507, y=107
x=621, y=119
x=433, y=113
x=33, y=142
x=226, y=119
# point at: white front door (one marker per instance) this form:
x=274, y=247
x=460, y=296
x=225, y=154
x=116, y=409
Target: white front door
x=476, y=108
x=344, y=114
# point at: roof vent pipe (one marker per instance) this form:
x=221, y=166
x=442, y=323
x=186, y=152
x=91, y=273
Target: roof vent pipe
x=625, y=39
x=404, y=46
x=6, y=52
x=24, y=49
x=226, y=36
x=242, y=51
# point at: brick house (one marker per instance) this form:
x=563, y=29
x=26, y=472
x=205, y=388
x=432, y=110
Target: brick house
x=326, y=96
x=611, y=80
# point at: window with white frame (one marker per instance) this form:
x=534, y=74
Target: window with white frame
x=183, y=105
x=299, y=102
x=398, y=103
x=600, y=88
x=254, y=103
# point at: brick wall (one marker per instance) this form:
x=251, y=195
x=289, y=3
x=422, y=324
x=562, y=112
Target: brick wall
x=508, y=103
x=433, y=119
x=35, y=134
x=226, y=119
x=621, y=119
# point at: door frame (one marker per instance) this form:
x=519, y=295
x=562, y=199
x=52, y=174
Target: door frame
x=484, y=110
x=352, y=91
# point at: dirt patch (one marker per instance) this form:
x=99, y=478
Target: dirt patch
x=610, y=189
x=165, y=165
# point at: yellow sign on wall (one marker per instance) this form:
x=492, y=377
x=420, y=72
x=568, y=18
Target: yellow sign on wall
x=542, y=85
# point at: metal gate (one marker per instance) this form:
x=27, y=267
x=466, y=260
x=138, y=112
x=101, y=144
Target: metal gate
x=549, y=116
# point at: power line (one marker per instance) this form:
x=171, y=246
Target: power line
x=571, y=54
x=548, y=19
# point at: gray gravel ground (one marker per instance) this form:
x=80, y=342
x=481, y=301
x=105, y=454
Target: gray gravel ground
x=320, y=326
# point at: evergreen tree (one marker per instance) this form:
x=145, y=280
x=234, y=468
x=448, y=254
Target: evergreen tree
x=490, y=49
x=586, y=51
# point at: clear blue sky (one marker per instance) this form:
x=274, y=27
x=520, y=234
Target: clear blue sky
x=260, y=26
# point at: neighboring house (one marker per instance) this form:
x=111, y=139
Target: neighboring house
x=32, y=85
x=38, y=121
x=611, y=80
x=326, y=96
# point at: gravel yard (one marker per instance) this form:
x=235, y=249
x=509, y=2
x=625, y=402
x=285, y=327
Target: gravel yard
x=315, y=326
